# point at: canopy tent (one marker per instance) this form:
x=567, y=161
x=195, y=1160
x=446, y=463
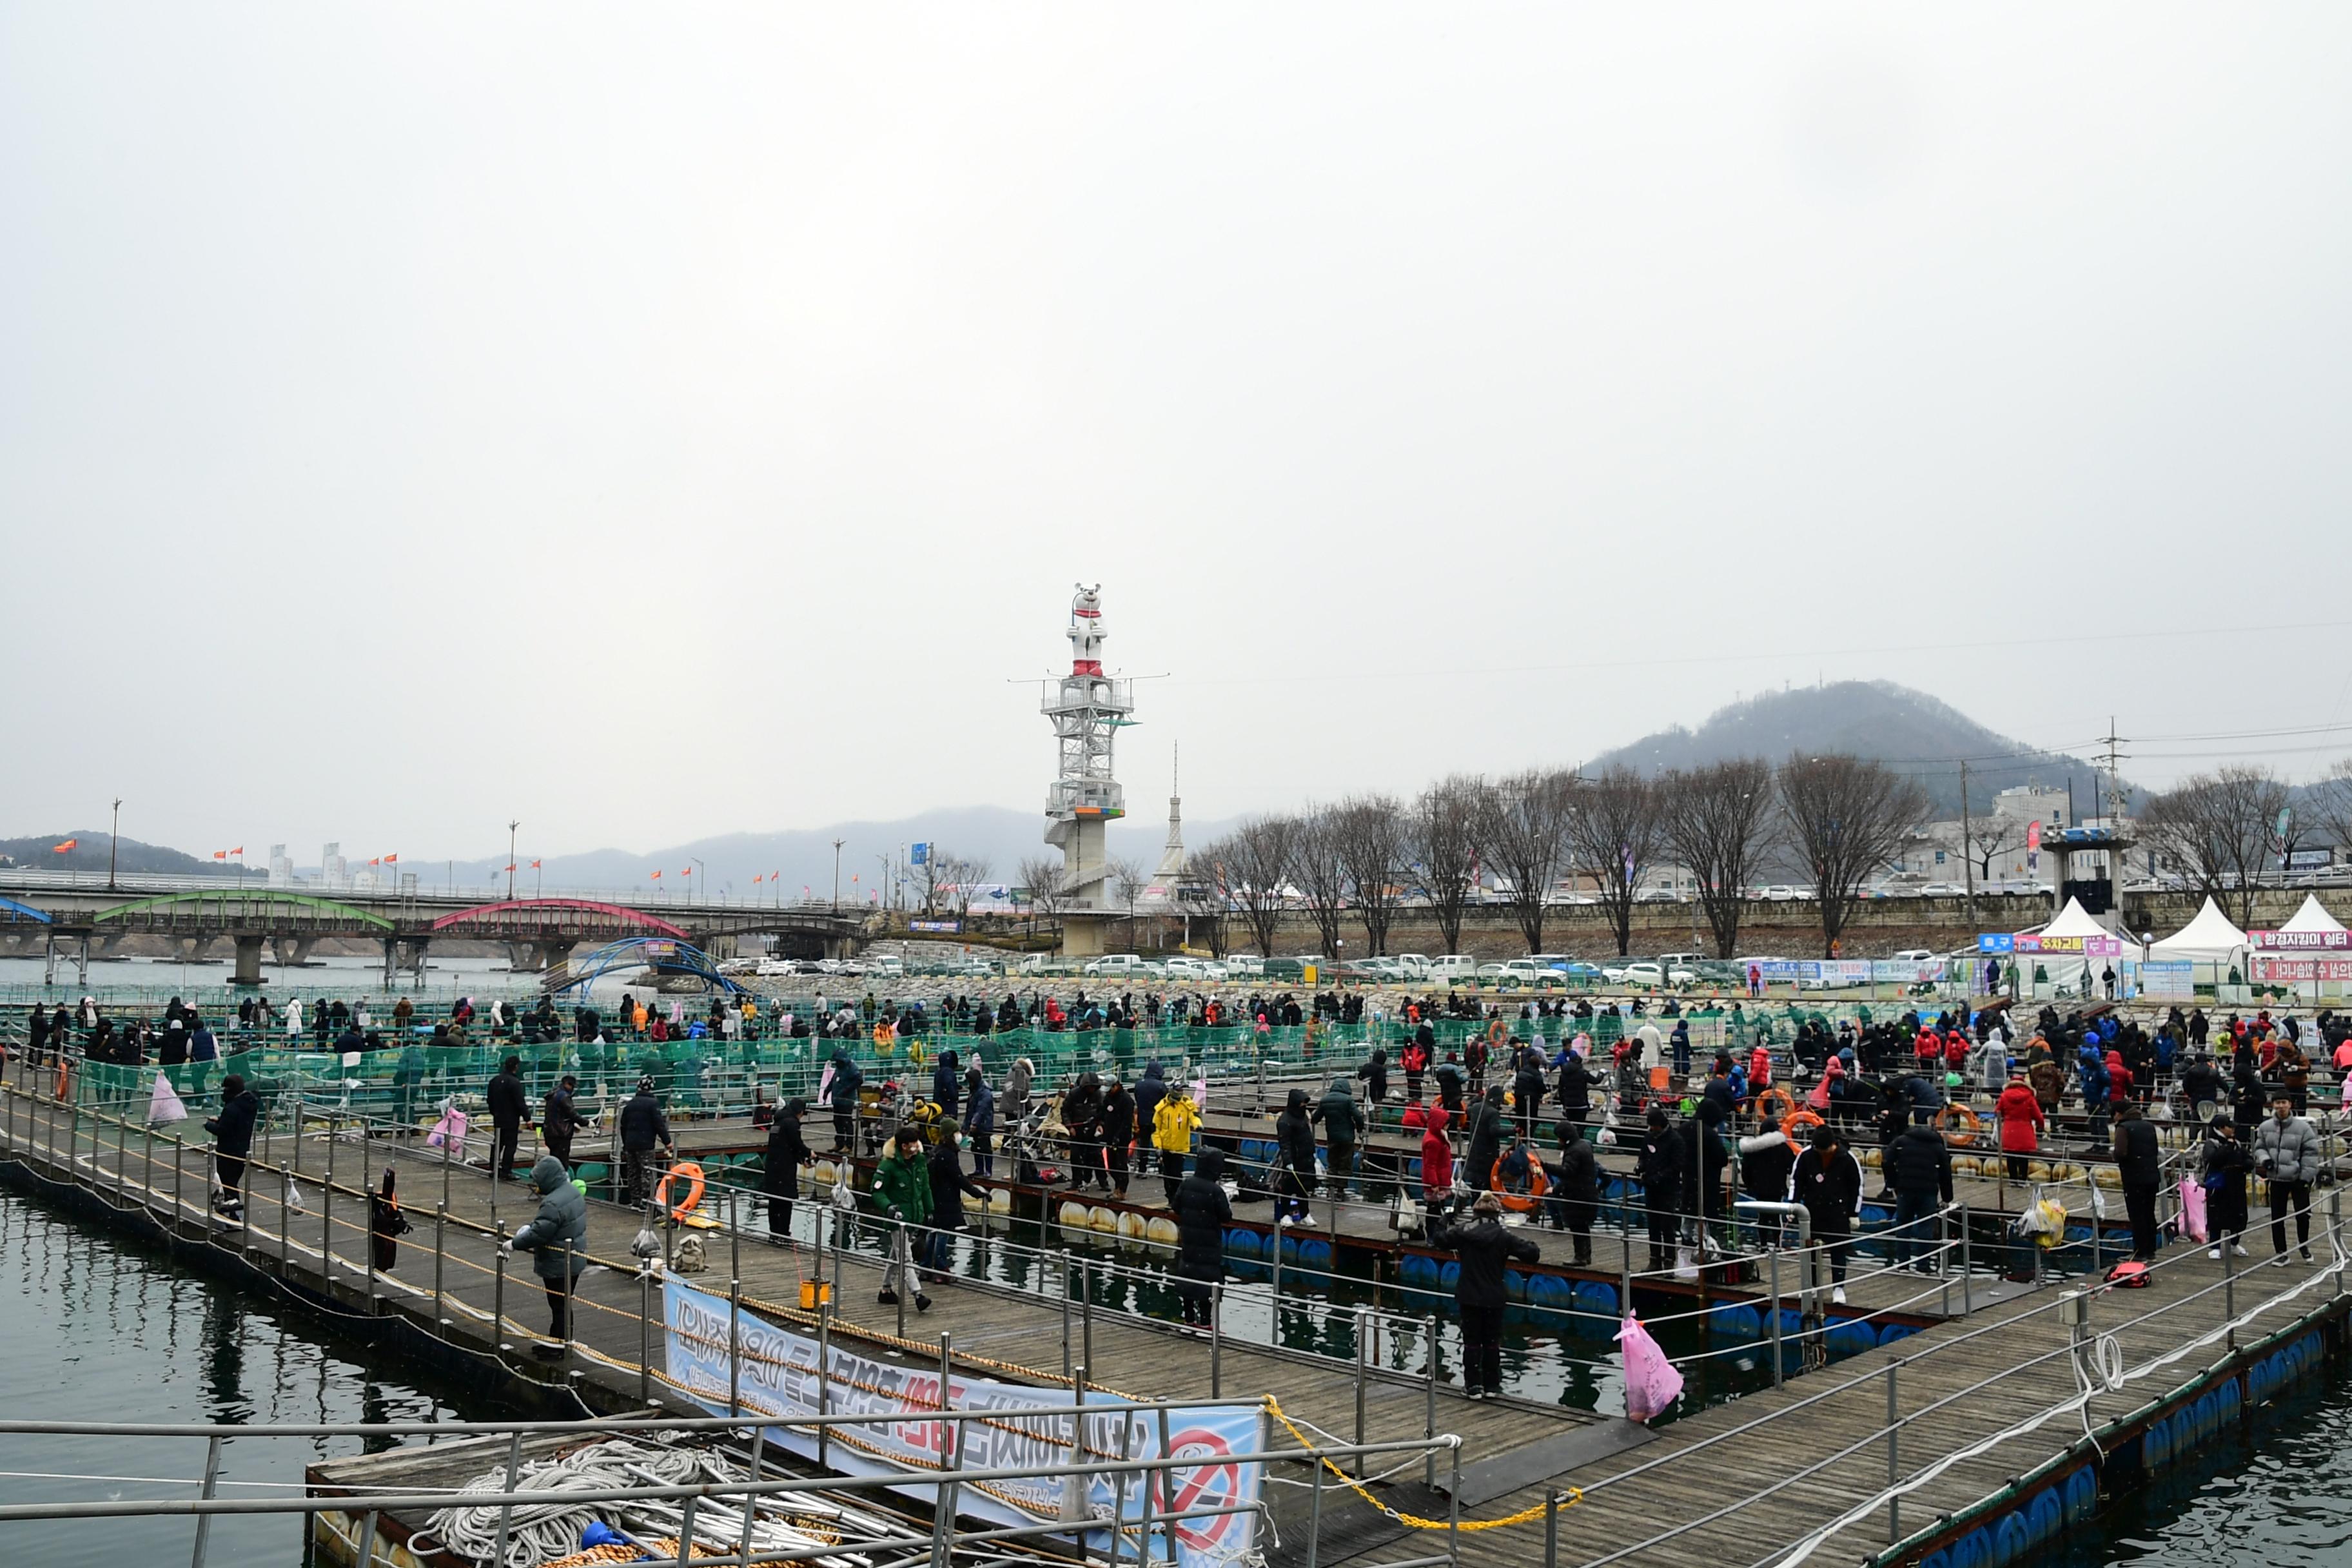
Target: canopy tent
x=2210, y=938
x=2076, y=920
x=2313, y=916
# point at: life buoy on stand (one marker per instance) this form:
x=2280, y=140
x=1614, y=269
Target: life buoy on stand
x=1772, y=1093
x=1796, y=1119
x=693, y=1175
x=1518, y=1202
x=1498, y=1035
x=1974, y=1124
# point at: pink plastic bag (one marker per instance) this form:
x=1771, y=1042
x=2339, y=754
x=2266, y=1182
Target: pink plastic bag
x=450, y=1132
x=2192, y=1209
x=1651, y=1380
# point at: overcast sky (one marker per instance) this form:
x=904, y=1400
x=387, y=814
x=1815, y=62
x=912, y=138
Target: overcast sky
x=653, y=421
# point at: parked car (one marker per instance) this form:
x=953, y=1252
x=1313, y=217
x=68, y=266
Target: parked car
x=1779, y=894
x=1915, y=955
x=1413, y=966
x=1943, y=890
x=1452, y=967
x=1183, y=969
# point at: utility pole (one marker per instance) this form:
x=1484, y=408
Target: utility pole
x=512, y=824
x=113, y=839
x=1967, y=859
x=836, y=875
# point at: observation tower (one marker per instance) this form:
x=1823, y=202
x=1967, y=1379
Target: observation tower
x=1087, y=710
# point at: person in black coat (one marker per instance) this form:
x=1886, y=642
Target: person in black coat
x=1576, y=1188
x=231, y=1132
x=509, y=1112
x=1203, y=1212
x=1919, y=1169
x=560, y=1119
x=1149, y=1091
x=2227, y=1164
x=949, y=1187
x=1375, y=1074
x=1827, y=1180
x=1118, y=1132
x=1487, y=1250
x=1576, y=1081
x=1528, y=1092
x=947, y=1084
x=1488, y=1130
x=788, y=1151
x=1660, y=1167
x=1294, y=1136
x=2139, y=1162
x=643, y=1126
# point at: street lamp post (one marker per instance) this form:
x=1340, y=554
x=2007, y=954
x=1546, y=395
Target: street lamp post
x=700, y=870
x=836, y=875
x=113, y=840
x=511, y=826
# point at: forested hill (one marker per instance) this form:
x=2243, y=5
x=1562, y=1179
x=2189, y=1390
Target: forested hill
x=1910, y=730
x=89, y=854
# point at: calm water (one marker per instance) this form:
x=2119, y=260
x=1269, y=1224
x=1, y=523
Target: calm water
x=96, y=1329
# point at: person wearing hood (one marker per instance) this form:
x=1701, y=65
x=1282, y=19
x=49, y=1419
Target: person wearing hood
x=509, y=1113
x=1919, y=1169
x=1436, y=1158
x=2018, y=1112
x=979, y=1119
x=1449, y=1084
x=1375, y=1074
x=780, y=1175
x=1528, y=1092
x=2223, y=1165
x=844, y=1080
x=2201, y=1086
x=1202, y=1211
x=1082, y=1109
x=1575, y=1084
x=231, y=1132
x=1294, y=1136
x=1576, y=1193
x=902, y=1190
x=557, y=1239
x=1489, y=1131
x=1173, y=1122
x=560, y=1119
x=1118, y=1131
x=1344, y=1123
x=1487, y=1250
x=947, y=1085
x=1149, y=1091
x=1016, y=1091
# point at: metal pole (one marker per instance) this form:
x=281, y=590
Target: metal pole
x=571, y=1277
x=498, y=1290
x=2230, y=1289
x=1167, y=1494
x=1772, y=1260
x=686, y=1534
x=1066, y=1362
x=905, y=1260
x=943, y=1500
x=1454, y=1508
x=645, y=1336
x=1551, y=1530
x=1315, y=1509
x=506, y=1508
x=285, y=1219
x=1119, y=1488
x=734, y=1347
x=1086, y=1308
x=824, y=1373
x=326, y=1209
x=758, y=1442
x=1216, y=1339
x=1968, y=1264
x=365, y=1556
x=1362, y=1327
x=440, y=1252
x=1429, y=1421
x=1894, y=1458
x=212, y=1486
x=1274, y=1296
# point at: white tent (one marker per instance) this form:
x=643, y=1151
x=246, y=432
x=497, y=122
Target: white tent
x=2313, y=916
x=2076, y=920
x=2209, y=938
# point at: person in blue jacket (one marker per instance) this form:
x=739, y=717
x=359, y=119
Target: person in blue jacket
x=980, y=1119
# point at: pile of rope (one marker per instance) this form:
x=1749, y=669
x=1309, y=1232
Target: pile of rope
x=542, y=1534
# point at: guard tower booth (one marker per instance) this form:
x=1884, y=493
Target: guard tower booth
x=1087, y=708
x=2090, y=858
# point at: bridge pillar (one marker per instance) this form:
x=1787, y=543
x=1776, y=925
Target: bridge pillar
x=195, y=949
x=249, y=960
x=293, y=951
x=404, y=953
x=538, y=957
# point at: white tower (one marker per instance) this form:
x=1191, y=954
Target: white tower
x=1087, y=710
x=1169, y=872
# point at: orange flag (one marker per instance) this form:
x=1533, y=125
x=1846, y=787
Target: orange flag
x=65, y=845
x=220, y=854
x=534, y=865
x=658, y=874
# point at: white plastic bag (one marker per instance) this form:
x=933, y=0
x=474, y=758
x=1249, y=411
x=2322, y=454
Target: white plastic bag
x=165, y=1105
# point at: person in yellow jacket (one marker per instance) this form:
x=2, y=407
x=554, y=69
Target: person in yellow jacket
x=1172, y=1126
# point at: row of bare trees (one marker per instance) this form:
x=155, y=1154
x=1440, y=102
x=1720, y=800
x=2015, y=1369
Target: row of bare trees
x=2222, y=832
x=1842, y=818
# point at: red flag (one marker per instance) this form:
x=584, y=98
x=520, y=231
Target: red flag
x=511, y=865
x=534, y=865
x=65, y=845
x=757, y=880
x=220, y=854
x=658, y=874
x=238, y=850
x=377, y=861
x=688, y=872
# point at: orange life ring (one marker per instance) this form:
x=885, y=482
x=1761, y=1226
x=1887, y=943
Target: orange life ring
x=693, y=1175
x=1539, y=1184
x=1796, y=1119
x=1496, y=1034
x=1961, y=1140
x=1775, y=1092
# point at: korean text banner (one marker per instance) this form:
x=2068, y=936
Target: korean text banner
x=777, y=1376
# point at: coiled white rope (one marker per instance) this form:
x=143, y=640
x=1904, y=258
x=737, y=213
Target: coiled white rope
x=542, y=1531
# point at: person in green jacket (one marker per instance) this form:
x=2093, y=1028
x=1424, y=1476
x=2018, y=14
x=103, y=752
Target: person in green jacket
x=902, y=1187
x=557, y=1237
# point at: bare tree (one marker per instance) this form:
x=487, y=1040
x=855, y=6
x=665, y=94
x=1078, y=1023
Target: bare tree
x=1321, y=874
x=1711, y=820
x=1846, y=817
x=1524, y=834
x=2330, y=806
x=958, y=877
x=1127, y=880
x=2217, y=827
x=1611, y=835
x=1447, y=818
x=1991, y=838
x=1250, y=869
x=1370, y=835
x=1048, y=883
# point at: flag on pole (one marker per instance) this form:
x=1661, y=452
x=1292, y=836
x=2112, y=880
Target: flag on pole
x=65, y=845
x=389, y=860
x=688, y=872
x=534, y=865
x=758, y=879
x=658, y=876
x=377, y=861
x=511, y=865
x=220, y=854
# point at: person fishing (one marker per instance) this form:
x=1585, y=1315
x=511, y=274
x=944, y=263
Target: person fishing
x=1487, y=1250
x=557, y=1239
x=902, y=1187
x=386, y=1224
x=1660, y=1170
x=1486, y=1133
x=1203, y=1212
x=2224, y=1164
x=780, y=1173
x=1173, y=1123
x=231, y=1132
x=560, y=1119
x=1294, y=1136
x=1576, y=1195
x=1827, y=1179
x=509, y=1113
x=643, y=1129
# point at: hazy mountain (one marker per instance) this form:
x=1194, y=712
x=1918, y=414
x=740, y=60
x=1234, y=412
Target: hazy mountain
x=1909, y=729
x=89, y=854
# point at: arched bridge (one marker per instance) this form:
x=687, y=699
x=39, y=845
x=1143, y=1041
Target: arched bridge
x=538, y=933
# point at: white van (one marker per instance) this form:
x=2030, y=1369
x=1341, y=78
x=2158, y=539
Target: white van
x=1452, y=967
x=1412, y=965
x=1115, y=965
x=889, y=965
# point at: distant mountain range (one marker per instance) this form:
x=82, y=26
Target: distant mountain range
x=89, y=854
x=1909, y=729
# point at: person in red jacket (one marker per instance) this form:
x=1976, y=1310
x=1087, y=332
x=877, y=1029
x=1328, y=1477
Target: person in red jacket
x=1436, y=1157
x=2019, y=1111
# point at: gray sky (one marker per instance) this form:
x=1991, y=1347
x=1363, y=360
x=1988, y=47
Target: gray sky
x=657, y=421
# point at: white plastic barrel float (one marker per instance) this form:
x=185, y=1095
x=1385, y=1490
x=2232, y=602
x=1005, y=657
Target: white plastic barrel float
x=1104, y=1220
x=1131, y=1228
x=1160, y=1231
x=997, y=1214
x=1073, y=1217
x=823, y=1174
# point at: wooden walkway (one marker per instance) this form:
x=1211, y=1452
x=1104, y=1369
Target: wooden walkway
x=1680, y=1494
